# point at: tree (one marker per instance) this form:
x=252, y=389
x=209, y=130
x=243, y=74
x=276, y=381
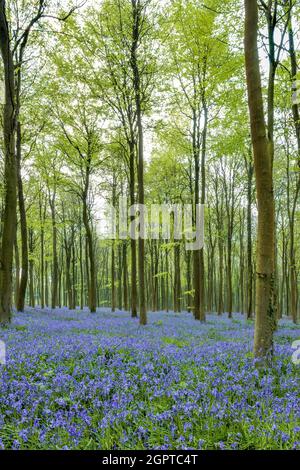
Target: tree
x=138, y=17
x=10, y=172
x=265, y=258
x=292, y=207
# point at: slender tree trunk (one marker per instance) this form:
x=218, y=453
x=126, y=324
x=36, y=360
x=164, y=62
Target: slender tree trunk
x=177, y=275
x=188, y=280
x=241, y=256
x=90, y=247
x=120, y=259
x=17, y=266
x=67, y=246
x=132, y=240
x=229, y=275
x=42, y=254
x=296, y=119
x=31, y=267
x=221, y=265
x=46, y=284
x=54, y=284
x=220, y=242
x=136, y=16
x=23, y=229
x=113, y=290
x=125, y=283
x=196, y=253
x=162, y=282
x=250, y=169
x=283, y=304
x=203, y=186
x=59, y=296
x=154, y=276
x=68, y=277
x=167, y=282
x=87, y=271
x=74, y=277
x=81, y=269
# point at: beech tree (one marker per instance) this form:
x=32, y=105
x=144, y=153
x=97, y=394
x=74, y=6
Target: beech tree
x=10, y=171
x=263, y=156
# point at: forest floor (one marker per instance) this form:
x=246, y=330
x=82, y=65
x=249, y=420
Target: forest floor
x=75, y=380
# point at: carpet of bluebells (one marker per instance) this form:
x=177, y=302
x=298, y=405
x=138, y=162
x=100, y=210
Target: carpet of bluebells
x=75, y=380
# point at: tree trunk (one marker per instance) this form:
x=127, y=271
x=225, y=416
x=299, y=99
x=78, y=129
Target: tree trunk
x=203, y=186
x=120, y=259
x=113, y=269
x=136, y=17
x=125, y=283
x=46, y=284
x=113, y=290
x=229, y=274
x=241, y=256
x=265, y=258
x=250, y=169
x=81, y=269
x=196, y=253
x=291, y=212
x=188, y=280
x=167, y=282
x=17, y=267
x=221, y=264
x=31, y=265
x=42, y=254
x=54, y=254
x=10, y=173
x=23, y=228
x=87, y=270
x=177, y=280
x=92, y=271
x=133, y=241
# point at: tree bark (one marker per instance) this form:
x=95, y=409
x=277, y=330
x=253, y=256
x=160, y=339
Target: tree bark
x=90, y=249
x=113, y=290
x=81, y=268
x=42, y=254
x=31, y=267
x=125, y=288
x=136, y=17
x=203, y=186
x=196, y=254
x=54, y=285
x=120, y=269
x=46, y=284
x=132, y=240
x=10, y=173
x=177, y=276
x=23, y=228
x=250, y=169
x=291, y=212
x=17, y=266
x=265, y=259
